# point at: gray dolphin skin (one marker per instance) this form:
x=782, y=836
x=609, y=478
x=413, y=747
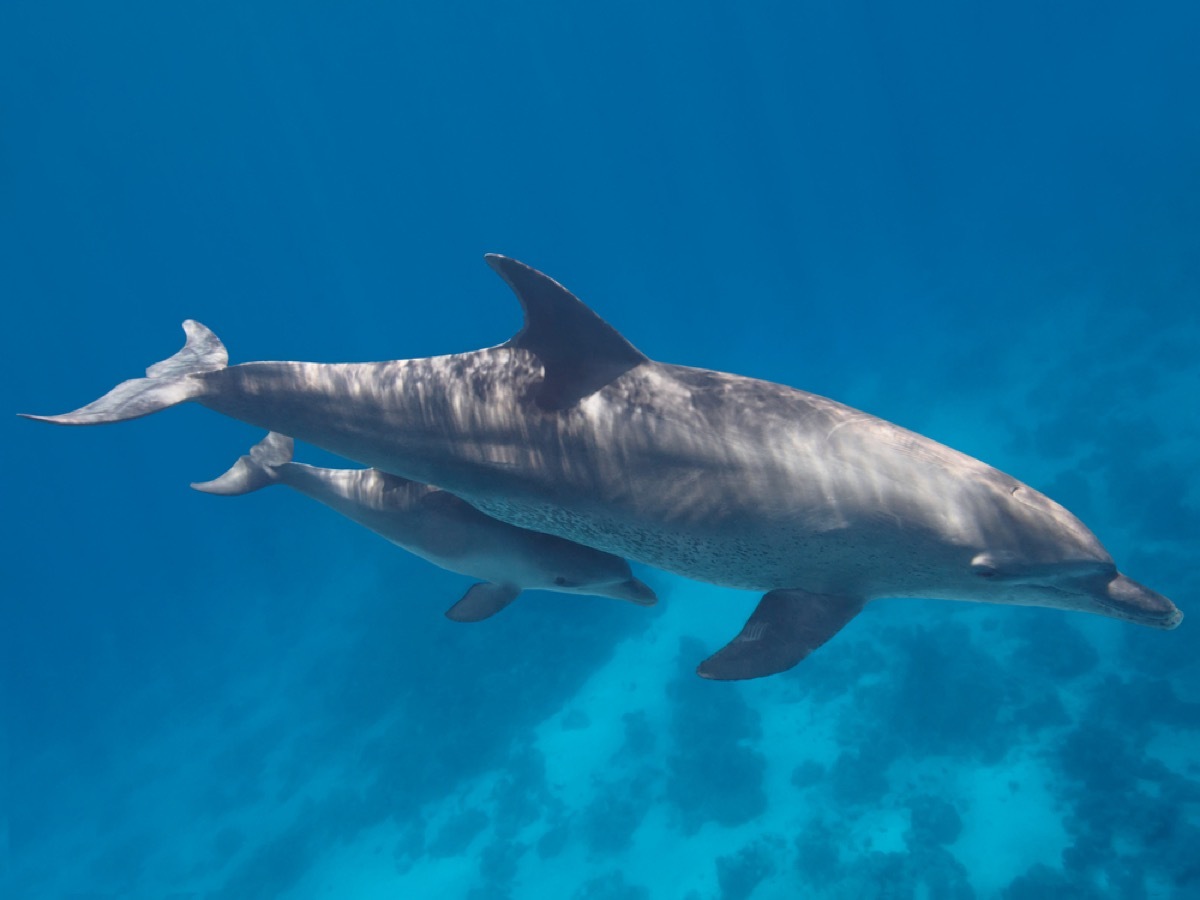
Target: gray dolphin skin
x=441, y=528
x=568, y=429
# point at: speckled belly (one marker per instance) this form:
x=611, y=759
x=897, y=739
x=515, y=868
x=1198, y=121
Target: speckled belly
x=738, y=560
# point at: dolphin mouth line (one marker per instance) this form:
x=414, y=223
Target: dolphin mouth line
x=1165, y=619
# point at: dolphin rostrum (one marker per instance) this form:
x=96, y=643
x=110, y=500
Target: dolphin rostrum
x=442, y=528
x=570, y=430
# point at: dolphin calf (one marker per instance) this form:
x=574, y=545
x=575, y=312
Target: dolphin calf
x=442, y=528
x=569, y=430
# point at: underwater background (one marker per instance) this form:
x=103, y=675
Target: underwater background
x=980, y=221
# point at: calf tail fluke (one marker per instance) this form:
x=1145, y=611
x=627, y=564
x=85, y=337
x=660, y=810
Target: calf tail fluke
x=167, y=383
x=254, y=470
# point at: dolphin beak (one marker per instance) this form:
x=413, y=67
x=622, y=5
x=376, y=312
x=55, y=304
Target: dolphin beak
x=1126, y=599
x=633, y=590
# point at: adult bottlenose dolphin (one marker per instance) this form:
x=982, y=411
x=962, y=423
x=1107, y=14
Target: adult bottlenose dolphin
x=569, y=430
x=442, y=528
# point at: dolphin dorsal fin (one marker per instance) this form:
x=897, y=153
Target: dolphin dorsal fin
x=581, y=352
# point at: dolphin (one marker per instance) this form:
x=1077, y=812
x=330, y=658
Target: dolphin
x=442, y=528
x=568, y=429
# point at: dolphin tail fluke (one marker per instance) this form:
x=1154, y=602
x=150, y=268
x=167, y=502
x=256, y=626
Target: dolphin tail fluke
x=786, y=626
x=482, y=601
x=254, y=470
x=167, y=383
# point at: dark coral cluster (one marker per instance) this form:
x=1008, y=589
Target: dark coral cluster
x=714, y=770
x=971, y=697
x=1131, y=818
x=429, y=735
x=740, y=873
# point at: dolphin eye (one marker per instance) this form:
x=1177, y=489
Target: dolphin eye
x=984, y=566
x=562, y=582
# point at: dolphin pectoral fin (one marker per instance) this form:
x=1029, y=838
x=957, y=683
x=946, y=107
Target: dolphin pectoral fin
x=579, y=351
x=785, y=627
x=482, y=601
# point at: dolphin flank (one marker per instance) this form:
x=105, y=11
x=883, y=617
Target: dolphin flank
x=441, y=528
x=568, y=429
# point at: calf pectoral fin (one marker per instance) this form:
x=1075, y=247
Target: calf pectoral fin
x=482, y=601
x=786, y=626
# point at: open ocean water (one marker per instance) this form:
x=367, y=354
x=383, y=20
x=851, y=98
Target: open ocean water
x=979, y=221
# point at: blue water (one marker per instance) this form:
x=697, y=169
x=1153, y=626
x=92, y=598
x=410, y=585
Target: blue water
x=981, y=222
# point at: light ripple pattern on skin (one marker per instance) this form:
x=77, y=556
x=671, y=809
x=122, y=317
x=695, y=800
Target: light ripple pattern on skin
x=567, y=429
